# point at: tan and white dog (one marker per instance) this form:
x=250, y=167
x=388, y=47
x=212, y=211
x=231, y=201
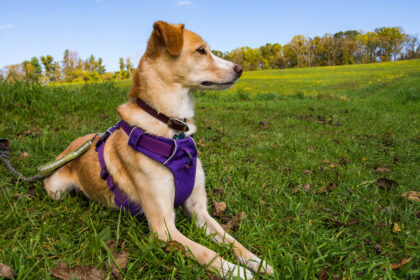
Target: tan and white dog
x=176, y=62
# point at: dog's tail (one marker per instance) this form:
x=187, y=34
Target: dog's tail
x=46, y=169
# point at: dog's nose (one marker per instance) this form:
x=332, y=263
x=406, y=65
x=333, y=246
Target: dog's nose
x=238, y=69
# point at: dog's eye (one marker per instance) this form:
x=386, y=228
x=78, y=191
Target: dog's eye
x=201, y=50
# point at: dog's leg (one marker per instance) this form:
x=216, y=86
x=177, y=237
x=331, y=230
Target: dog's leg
x=157, y=204
x=196, y=206
x=59, y=183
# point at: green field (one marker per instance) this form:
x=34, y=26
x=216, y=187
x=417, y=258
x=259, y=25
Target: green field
x=298, y=150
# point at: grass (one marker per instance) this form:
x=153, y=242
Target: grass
x=295, y=149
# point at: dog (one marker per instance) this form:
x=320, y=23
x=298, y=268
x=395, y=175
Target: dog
x=176, y=62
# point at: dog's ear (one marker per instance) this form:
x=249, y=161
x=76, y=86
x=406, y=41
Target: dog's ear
x=171, y=35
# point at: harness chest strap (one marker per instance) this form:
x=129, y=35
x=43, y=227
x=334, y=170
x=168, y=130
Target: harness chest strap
x=179, y=156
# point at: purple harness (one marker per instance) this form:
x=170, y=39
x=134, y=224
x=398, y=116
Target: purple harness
x=179, y=155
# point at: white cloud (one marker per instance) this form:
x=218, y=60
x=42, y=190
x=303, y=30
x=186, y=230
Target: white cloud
x=7, y=26
x=183, y=3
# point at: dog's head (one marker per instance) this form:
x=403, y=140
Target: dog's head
x=181, y=57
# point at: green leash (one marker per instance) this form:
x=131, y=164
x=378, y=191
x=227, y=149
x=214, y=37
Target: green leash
x=46, y=169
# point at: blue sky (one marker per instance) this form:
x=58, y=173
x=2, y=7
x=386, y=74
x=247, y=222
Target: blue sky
x=111, y=29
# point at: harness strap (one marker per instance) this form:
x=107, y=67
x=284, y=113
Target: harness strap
x=146, y=141
x=180, y=160
x=120, y=198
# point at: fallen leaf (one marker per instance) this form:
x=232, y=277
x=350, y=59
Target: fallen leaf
x=174, y=246
x=287, y=170
x=332, y=186
x=219, y=191
x=385, y=183
x=24, y=154
x=200, y=143
x=310, y=149
x=62, y=271
x=219, y=208
x=212, y=277
x=32, y=132
x=396, y=228
x=326, y=161
x=378, y=249
x=32, y=192
x=388, y=141
x=307, y=171
x=336, y=277
x=363, y=159
x=344, y=161
x=6, y=271
x=333, y=165
x=334, y=223
x=412, y=195
x=233, y=223
x=323, y=275
x=121, y=259
x=321, y=190
x=401, y=264
x=306, y=187
x=382, y=170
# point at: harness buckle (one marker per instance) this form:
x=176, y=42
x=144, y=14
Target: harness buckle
x=103, y=138
x=104, y=173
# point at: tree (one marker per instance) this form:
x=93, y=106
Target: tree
x=290, y=57
x=47, y=61
x=217, y=53
x=129, y=67
x=100, y=68
x=412, y=47
x=297, y=44
x=29, y=71
x=391, y=40
x=122, y=69
x=271, y=56
x=37, y=66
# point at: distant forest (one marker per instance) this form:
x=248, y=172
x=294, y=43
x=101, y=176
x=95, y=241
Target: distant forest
x=349, y=47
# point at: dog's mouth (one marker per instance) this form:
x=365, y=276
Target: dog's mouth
x=209, y=84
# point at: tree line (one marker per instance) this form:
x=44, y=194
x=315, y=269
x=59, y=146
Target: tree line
x=71, y=69
x=344, y=47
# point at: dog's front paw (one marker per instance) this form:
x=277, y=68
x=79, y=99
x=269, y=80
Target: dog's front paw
x=266, y=268
x=232, y=271
x=256, y=264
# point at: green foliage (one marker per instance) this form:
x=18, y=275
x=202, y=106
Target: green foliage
x=341, y=48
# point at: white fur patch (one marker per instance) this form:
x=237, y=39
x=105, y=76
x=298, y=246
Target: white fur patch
x=57, y=187
x=254, y=264
x=221, y=63
x=230, y=270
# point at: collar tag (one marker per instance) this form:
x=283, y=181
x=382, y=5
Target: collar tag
x=179, y=136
